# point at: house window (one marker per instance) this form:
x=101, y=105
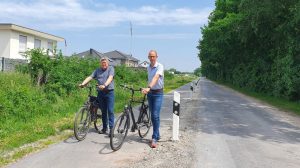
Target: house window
x=37, y=43
x=50, y=47
x=22, y=43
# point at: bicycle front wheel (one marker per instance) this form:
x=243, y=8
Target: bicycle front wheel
x=82, y=123
x=119, y=132
x=98, y=120
x=144, y=122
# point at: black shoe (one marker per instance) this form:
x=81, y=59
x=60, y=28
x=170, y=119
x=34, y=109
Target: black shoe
x=103, y=131
x=110, y=132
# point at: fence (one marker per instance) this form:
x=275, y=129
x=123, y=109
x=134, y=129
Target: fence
x=7, y=64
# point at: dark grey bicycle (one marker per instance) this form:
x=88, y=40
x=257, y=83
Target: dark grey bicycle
x=88, y=113
x=122, y=124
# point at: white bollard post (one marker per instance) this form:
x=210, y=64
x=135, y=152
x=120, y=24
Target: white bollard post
x=176, y=112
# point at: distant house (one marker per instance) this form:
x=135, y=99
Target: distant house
x=144, y=64
x=92, y=53
x=122, y=58
x=15, y=40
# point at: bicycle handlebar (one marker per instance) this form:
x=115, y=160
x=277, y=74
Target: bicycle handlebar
x=130, y=88
x=88, y=87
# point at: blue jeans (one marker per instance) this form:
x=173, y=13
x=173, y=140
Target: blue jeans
x=107, y=101
x=155, y=102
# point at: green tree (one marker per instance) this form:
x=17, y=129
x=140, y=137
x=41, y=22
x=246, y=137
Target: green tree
x=197, y=71
x=254, y=44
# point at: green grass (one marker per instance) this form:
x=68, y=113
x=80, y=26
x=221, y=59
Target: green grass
x=29, y=115
x=280, y=103
x=177, y=81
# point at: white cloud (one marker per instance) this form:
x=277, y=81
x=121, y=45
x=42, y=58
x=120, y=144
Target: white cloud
x=65, y=14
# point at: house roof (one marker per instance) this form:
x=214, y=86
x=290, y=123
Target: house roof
x=145, y=62
x=10, y=26
x=92, y=53
x=119, y=55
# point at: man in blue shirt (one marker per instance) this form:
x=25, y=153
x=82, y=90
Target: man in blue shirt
x=154, y=93
x=105, y=78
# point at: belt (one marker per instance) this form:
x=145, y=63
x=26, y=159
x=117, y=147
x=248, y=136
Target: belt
x=156, y=90
x=106, y=91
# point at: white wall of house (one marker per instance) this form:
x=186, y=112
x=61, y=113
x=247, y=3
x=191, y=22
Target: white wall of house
x=14, y=41
x=4, y=43
x=11, y=47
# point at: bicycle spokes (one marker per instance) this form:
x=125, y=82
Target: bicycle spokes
x=119, y=132
x=144, y=123
x=81, y=123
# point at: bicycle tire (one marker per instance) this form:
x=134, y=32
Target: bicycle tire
x=119, y=131
x=98, y=121
x=82, y=123
x=144, y=123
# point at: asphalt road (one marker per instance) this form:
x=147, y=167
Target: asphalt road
x=228, y=130
x=235, y=131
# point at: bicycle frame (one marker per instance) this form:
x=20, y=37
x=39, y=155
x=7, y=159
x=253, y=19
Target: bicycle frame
x=87, y=114
x=92, y=103
x=128, y=109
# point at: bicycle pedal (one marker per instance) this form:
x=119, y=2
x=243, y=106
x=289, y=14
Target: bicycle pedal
x=138, y=126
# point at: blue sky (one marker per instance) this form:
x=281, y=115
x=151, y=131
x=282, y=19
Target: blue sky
x=171, y=27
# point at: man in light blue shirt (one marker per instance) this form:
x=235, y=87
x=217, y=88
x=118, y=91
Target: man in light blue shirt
x=154, y=93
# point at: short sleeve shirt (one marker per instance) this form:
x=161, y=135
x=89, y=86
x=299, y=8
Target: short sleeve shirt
x=152, y=71
x=102, y=75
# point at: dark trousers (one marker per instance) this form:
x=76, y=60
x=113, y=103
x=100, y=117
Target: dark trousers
x=107, y=100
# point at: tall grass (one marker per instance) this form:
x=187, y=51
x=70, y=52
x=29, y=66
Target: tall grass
x=26, y=114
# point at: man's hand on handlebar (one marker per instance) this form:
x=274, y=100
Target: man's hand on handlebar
x=145, y=90
x=101, y=87
x=82, y=85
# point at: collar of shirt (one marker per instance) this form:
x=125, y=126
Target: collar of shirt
x=155, y=65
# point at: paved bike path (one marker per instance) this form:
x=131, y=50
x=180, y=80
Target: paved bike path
x=95, y=150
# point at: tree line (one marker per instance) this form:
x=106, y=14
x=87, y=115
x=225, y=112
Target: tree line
x=254, y=44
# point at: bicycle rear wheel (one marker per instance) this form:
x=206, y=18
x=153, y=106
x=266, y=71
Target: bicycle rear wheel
x=144, y=122
x=119, y=132
x=82, y=123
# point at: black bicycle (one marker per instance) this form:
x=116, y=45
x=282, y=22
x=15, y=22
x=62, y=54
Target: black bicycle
x=88, y=113
x=122, y=124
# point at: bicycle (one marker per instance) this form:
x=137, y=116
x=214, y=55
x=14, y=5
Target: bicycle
x=122, y=124
x=88, y=113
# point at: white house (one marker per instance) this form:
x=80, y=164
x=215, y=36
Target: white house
x=144, y=64
x=15, y=40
